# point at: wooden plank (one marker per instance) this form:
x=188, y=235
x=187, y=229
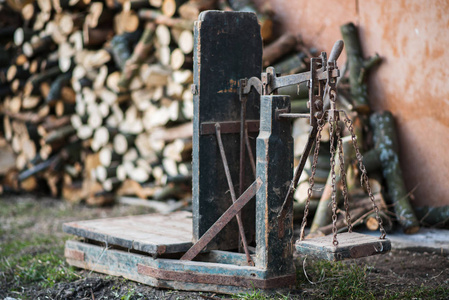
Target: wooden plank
x=159, y=272
x=228, y=47
x=275, y=167
x=350, y=245
x=154, y=233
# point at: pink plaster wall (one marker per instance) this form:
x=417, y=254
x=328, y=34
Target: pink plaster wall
x=411, y=36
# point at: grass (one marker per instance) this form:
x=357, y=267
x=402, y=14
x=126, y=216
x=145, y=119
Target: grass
x=333, y=280
x=39, y=260
x=32, y=259
x=343, y=280
x=30, y=256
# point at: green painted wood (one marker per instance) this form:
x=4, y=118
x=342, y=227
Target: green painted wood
x=228, y=47
x=350, y=246
x=154, y=233
x=136, y=267
x=274, y=250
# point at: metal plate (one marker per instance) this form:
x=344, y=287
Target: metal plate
x=153, y=234
x=350, y=245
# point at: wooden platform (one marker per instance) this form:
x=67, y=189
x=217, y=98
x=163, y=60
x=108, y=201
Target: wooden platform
x=351, y=245
x=219, y=271
x=154, y=234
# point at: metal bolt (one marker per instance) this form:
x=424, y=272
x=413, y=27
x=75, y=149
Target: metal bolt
x=194, y=89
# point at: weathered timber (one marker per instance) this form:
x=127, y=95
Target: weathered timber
x=158, y=18
x=217, y=98
x=385, y=140
x=372, y=223
x=170, y=7
x=275, y=168
x=39, y=167
x=433, y=216
x=40, y=45
x=154, y=234
x=140, y=53
x=291, y=64
x=280, y=47
x=218, y=271
x=34, y=82
x=120, y=46
x=351, y=245
x=358, y=68
x=192, y=9
x=56, y=87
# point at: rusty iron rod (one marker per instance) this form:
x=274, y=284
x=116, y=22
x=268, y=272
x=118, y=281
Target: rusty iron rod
x=230, y=213
x=298, y=171
x=250, y=154
x=243, y=127
x=231, y=189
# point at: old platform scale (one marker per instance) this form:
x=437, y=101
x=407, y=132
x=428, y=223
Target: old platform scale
x=234, y=107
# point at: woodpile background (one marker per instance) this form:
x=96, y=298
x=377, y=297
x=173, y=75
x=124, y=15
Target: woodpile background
x=95, y=96
x=96, y=104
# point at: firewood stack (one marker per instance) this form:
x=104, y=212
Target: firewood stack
x=96, y=98
x=96, y=103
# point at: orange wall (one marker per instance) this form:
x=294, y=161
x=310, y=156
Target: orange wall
x=412, y=81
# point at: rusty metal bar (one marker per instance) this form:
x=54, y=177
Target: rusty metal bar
x=229, y=127
x=242, y=144
x=298, y=171
x=74, y=254
x=243, y=126
x=216, y=279
x=230, y=213
x=232, y=191
x=250, y=154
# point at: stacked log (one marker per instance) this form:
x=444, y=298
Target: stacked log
x=96, y=102
x=386, y=186
x=96, y=98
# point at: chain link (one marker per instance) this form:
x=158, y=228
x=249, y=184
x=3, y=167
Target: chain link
x=364, y=176
x=343, y=178
x=312, y=176
x=334, y=184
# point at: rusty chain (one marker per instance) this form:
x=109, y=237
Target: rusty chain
x=364, y=176
x=312, y=176
x=333, y=181
x=343, y=178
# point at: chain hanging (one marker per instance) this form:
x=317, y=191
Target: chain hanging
x=334, y=184
x=343, y=178
x=364, y=176
x=312, y=176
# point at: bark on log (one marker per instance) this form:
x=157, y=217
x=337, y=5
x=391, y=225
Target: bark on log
x=358, y=68
x=385, y=139
x=433, y=216
x=291, y=64
x=158, y=18
x=141, y=52
x=282, y=46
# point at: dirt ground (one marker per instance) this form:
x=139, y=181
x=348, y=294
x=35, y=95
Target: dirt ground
x=32, y=265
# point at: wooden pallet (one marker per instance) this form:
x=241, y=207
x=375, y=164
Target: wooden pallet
x=350, y=245
x=154, y=234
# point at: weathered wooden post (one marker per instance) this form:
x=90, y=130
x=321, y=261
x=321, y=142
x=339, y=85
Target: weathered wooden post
x=274, y=250
x=228, y=47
